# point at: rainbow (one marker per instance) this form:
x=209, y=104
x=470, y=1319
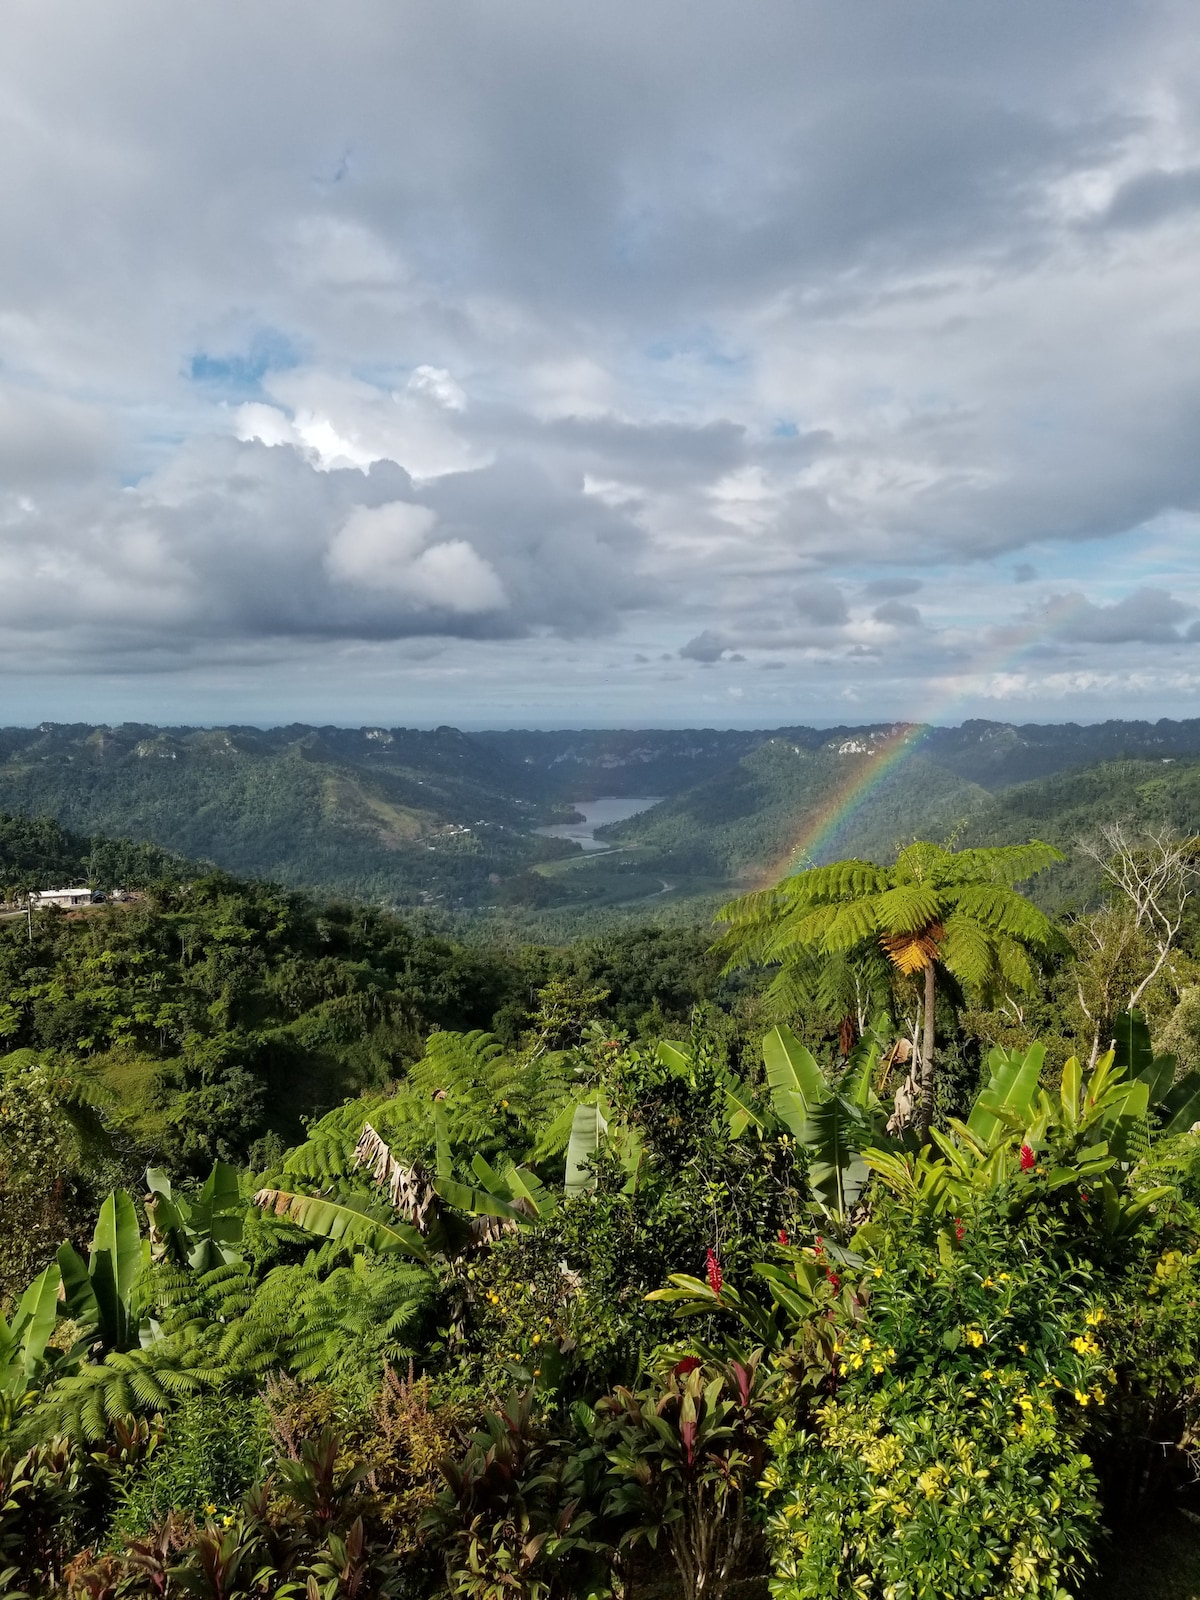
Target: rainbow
x=903, y=740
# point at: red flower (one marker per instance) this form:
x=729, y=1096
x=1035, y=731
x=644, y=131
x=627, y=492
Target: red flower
x=783, y=1238
x=1028, y=1159
x=1083, y=1195
x=715, y=1279
x=686, y=1365
x=835, y=1283
x=819, y=1247
x=959, y=1230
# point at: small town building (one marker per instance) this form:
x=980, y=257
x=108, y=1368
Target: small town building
x=62, y=897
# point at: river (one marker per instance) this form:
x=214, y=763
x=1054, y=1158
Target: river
x=595, y=813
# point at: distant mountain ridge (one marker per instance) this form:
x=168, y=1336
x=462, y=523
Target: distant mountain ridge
x=443, y=819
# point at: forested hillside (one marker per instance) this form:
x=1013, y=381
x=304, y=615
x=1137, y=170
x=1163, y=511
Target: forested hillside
x=446, y=821
x=339, y=1260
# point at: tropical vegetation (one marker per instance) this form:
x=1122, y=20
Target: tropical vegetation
x=341, y=1259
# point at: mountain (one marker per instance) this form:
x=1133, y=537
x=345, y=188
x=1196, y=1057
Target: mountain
x=784, y=800
x=582, y=764
x=444, y=820
x=396, y=815
x=997, y=755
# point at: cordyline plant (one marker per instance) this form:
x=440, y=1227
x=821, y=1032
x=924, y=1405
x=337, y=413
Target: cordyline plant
x=510, y=1521
x=682, y=1455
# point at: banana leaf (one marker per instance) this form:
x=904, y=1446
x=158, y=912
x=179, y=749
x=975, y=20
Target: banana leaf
x=1009, y=1098
x=23, y=1342
x=676, y=1058
x=351, y=1221
x=588, y=1128
x=1181, y=1105
x=836, y=1137
x=1126, y=1113
x=796, y=1080
x=1131, y=1043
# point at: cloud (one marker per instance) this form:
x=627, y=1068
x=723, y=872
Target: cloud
x=706, y=647
x=890, y=588
x=387, y=547
x=1147, y=616
x=897, y=614
x=1154, y=197
x=822, y=603
x=523, y=326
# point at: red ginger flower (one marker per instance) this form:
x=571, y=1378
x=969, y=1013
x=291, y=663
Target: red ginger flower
x=685, y=1365
x=835, y=1283
x=715, y=1278
x=1028, y=1159
x=783, y=1237
x=959, y=1230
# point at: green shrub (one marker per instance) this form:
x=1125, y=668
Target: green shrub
x=213, y=1448
x=957, y=1493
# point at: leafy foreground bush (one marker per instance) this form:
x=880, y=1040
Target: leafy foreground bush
x=944, y=1392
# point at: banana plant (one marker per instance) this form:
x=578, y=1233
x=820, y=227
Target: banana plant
x=203, y=1233
x=1077, y=1138
x=100, y=1293
x=349, y=1219
x=835, y=1121
x=23, y=1341
x=1176, y=1105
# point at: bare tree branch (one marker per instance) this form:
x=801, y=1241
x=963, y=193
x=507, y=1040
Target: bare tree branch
x=1156, y=872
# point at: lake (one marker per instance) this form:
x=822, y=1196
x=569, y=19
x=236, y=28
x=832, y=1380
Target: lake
x=595, y=813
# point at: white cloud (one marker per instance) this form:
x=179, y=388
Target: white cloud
x=388, y=547
x=642, y=318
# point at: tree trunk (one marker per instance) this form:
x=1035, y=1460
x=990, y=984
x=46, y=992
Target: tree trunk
x=927, y=1074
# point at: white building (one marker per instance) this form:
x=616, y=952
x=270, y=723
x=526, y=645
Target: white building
x=62, y=897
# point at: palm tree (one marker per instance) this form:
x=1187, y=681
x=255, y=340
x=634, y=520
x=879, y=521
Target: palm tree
x=936, y=907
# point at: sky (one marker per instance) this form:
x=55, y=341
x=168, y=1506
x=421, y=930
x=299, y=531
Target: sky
x=526, y=363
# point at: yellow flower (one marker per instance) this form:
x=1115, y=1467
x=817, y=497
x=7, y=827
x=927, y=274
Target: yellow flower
x=210, y=1510
x=878, y=1272
x=987, y=1373
x=877, y=1366
x=1004, y=1278
x=1098, y=1394
x=1082, y=1397
x=856, y=1361
x=988, y=1283
x=891, y=1352
x=866, y=1344
x=1023, y=1349
x=974, y=1338
x=537, y=1338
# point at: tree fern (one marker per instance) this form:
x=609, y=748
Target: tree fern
x=933, y=907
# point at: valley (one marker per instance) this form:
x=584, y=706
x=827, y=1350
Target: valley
x=482, y=831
